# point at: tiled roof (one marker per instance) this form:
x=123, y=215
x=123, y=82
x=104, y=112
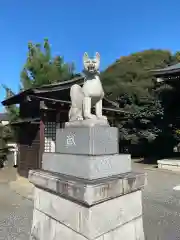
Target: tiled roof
x=175, y=66
x=168, y=70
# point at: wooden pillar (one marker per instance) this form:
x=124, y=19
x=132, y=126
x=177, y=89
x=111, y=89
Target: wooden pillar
x=41, y=147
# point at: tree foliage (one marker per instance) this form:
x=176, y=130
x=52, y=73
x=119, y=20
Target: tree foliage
x=12, y=110
x=131, y=75
x=151, y=121
x=7, y=132
x=129, y=82
x=5, y=137
x=41, y=68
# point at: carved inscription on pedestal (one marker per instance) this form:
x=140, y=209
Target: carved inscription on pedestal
x=70, y=140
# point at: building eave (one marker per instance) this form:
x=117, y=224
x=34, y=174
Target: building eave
x=170, y=70
x=44, y=93
x=16, y=99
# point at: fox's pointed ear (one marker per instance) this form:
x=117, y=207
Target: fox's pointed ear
x=97, y=56
x=85, y=57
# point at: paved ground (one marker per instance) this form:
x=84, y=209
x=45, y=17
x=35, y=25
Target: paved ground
x=15, y=211
x=160, y=202
x=161, y=205
x=15, y=215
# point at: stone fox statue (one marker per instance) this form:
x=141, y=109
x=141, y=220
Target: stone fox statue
x=90, y=94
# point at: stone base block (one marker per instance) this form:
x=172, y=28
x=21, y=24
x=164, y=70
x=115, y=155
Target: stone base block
x=87, y=141
x=168, y=164
x=46, y=228
x=88, y=167
x=59, y=218
x=87, y=192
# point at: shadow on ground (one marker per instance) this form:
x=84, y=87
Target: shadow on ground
x=147, y=160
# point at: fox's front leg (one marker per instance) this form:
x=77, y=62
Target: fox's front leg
x=99, y=110
x=87, y=108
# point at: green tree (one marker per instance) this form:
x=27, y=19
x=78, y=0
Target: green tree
x=177, y=56
x=7, y=132
x=41, y=68
x=5, y=137
x=130, y=75
x=2, y=147
x=129, y=82
x=12, y=110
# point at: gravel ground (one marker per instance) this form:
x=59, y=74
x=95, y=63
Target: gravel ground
x=15, y=215
x=15, y=211
x=161, y=205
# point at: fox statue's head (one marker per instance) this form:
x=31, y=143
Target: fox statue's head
x=91, y=65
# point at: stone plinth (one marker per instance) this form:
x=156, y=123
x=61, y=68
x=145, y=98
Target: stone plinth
x=72, y=208
x=87, y=140
x=86, y=166
x=87, y=152
x=86, y=190
x=169, y=164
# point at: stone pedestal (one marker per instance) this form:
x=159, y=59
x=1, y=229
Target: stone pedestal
x=81, y=196
x=91, y=141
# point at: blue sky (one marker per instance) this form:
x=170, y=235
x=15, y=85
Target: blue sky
x=114, y=28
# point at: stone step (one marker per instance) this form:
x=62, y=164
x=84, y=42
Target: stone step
x=169, y=164
x=85, y=166
x=88, y=192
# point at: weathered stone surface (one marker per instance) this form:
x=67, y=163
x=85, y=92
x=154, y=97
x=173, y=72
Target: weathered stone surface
x=87, y=140
x=172, y=162
x=90, y=222
x=133, y=181
x=127, y=231
x=169, y=164
x=88, y=192
x=46, y=228
x=139, y=229
x=88, y=167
